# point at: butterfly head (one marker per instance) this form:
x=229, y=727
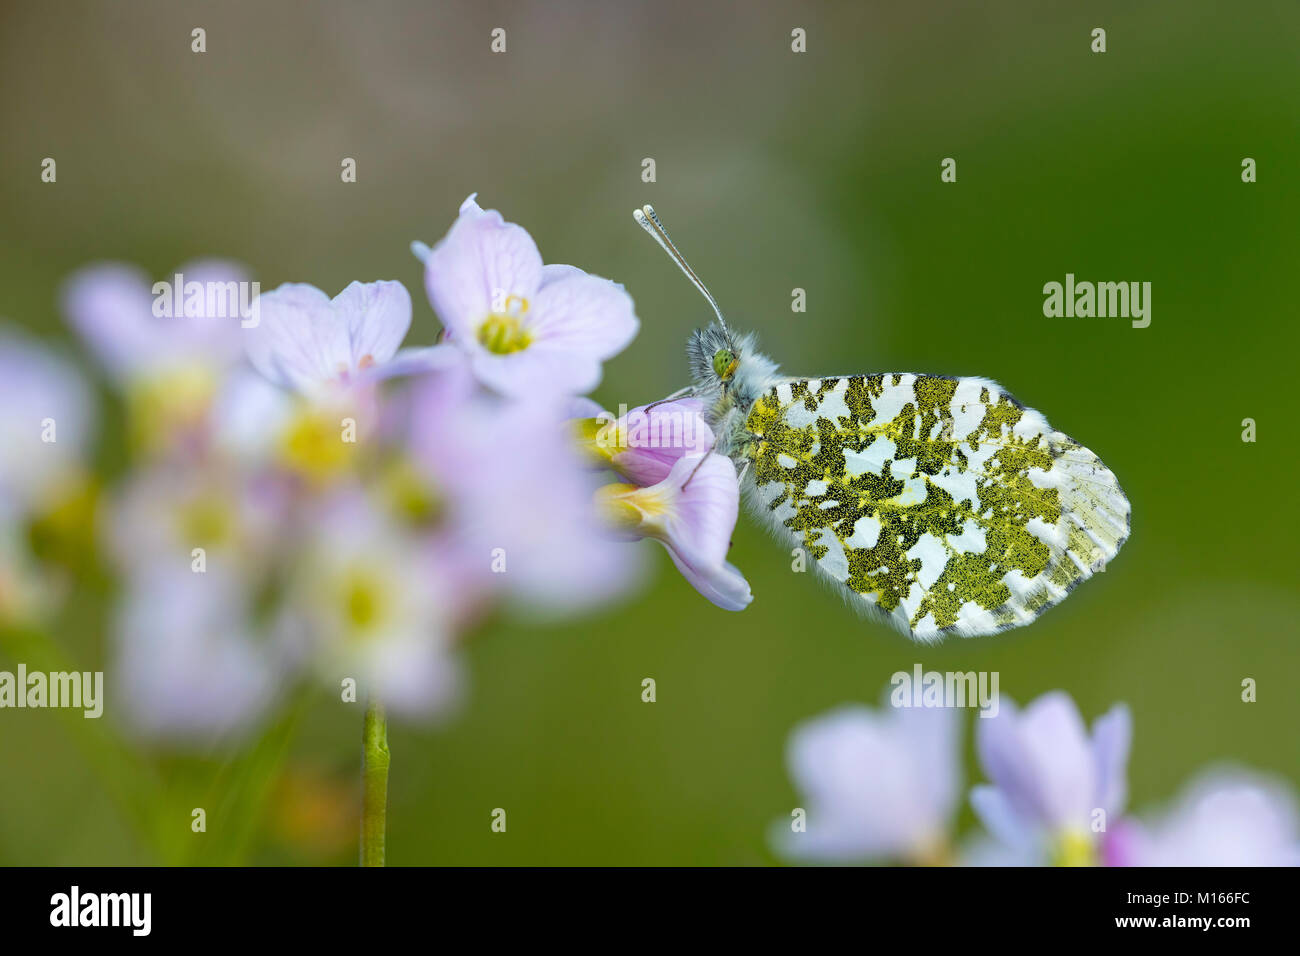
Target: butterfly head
x=714, y=357
x=723, y=362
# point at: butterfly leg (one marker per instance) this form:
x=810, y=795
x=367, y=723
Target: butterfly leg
x=680, y=393
x=721, y=432
x=703, y=459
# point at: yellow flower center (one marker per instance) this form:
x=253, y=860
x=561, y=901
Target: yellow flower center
x=314, y=446
x=631, y=508
x=597, y=440
x=62, y=527
x=206, y=521
x=615, y=509
x=411, y=496
x=931, y=851
x=503, y=332
x=1074, y=848
x=167, y=403
x=364, y=602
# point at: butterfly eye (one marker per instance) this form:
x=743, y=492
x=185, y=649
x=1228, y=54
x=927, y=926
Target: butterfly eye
x=724, y=364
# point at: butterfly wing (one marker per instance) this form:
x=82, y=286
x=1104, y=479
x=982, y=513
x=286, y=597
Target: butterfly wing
x=941, y=503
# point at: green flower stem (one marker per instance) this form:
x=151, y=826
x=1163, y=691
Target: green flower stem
x=374, y=780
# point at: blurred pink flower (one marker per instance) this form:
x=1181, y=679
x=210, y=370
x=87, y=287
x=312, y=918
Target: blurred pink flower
x=1223, y=818
x=1052, y=781
x=877, y=785
x=364, y=602
x=114, y=310
x=163, y=512
x=527, y=328
x=45, y=423
x=692, y=513
x=187, y=664
x=167, y=347
x=517, y=497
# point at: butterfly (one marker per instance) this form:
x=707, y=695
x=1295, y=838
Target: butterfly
x=940, y=504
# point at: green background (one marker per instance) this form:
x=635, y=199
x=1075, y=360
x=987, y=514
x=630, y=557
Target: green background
x=775, y=170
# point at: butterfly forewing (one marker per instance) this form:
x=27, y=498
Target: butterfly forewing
x=942, y=503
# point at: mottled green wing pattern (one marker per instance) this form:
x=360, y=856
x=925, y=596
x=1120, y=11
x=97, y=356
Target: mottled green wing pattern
x=941, y=503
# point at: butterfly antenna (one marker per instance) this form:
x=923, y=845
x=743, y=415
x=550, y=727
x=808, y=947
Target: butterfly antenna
x=647, y=220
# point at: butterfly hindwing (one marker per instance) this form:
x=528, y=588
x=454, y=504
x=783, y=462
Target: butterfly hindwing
x=942, y=503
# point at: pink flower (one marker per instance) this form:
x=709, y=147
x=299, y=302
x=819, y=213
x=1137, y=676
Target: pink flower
x=1051, y=777
x=365, y=600
x=877, y=784
x=692, y=513
x=138, y=334
x=187, y=662
x=645, y=443
x=527, y=328
x=1225, y=817
x=46, y=423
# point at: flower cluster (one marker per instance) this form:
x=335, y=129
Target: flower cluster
x=885, y=785
x=302, y=495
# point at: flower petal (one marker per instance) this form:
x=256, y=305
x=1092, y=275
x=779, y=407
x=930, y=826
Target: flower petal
x=722, y=584
x=700, y=524
x=377, y=316
x=582, y=407
x=38, y=386
x=584, y=314
x=414, y=361
x=1000, y=818
x=875, y=783
x=1056, y=742
x=1111, y=736
x=554, y=272
x=297, y=343
x=109, y=305
x=1225, y=817
x=653, y=439
x=539, y=370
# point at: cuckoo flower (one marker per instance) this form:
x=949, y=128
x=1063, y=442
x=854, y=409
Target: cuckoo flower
x=876, y=785
x=329, y=353
x=645, y=443
x=45, y=423
x=527, y=328
x=314, y=345
x=165, y=347
x=139, y=335
x=516, y=494
x=162, y=514
x=1055, y=788
x=187, y=663
x=1224, y=818
x=692, y=512
x=365, y=603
